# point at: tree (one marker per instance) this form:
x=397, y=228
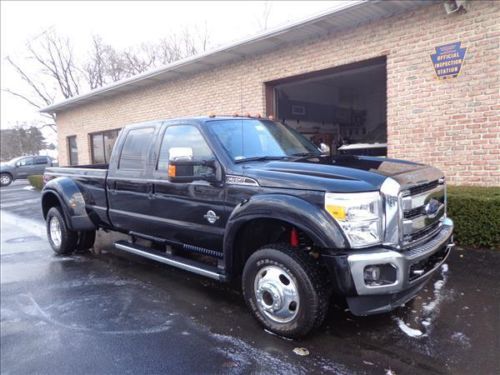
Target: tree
x=20, y=141
x=106, y=64
x=56, y=73
x=263, y=19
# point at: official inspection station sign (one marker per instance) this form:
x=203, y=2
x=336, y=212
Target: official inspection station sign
x=448, y=60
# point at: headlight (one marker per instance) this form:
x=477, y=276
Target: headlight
x=359, y=215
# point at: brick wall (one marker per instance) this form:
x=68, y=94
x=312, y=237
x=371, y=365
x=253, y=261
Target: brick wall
x=452, y=124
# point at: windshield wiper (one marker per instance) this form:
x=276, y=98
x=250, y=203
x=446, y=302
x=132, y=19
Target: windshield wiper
x=302, y=155
x=261, y=158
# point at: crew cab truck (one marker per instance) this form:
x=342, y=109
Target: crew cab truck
x=252, y=200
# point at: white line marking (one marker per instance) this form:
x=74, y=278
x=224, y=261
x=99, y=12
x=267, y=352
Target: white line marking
x=28, y=225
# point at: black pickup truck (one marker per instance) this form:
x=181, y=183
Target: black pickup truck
x=252, y=200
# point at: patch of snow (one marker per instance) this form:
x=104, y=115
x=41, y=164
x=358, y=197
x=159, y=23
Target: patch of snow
x=25, y=224
x=444, y=268
x=412, y=332
x=438, y=285
x=245, y=355
x=29, y=187
x=389, y=372
x=461, y=338
x=301, y=351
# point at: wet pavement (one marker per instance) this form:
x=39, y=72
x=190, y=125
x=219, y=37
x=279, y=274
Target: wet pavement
x=115, y=313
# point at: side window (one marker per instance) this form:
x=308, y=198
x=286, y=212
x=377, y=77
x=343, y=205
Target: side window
x=135, y=149
x=41, y=160
x=183, y=140
x=73, y=150
x=25, y=162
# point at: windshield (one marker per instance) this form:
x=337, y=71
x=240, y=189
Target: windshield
x=254, y=139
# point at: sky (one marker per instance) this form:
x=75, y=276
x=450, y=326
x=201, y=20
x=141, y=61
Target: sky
x=127, y=23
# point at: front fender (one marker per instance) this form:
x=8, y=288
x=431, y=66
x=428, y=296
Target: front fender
x=310, y=219
x=72, y=201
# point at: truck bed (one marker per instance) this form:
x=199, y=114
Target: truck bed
x=91, y=181
x=92, y=170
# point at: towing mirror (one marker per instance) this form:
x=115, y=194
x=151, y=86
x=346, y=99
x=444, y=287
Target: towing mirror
x=182, y=170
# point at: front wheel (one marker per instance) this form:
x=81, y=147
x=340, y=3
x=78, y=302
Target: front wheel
x=285, y=289
x=5, y=179
x=61, y=239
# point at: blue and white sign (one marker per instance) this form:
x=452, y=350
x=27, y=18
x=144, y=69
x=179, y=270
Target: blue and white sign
x=448, y=60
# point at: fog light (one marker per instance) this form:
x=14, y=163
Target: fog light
x=372, y=274
x=380, y=274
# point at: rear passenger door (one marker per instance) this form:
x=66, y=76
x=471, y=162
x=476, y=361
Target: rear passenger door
x=40, y=163
x=129, y=179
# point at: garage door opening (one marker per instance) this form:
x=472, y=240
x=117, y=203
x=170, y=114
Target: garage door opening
x=342, y=110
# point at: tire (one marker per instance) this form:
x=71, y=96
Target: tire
x=5, y=179
x=279, y=268
x=85, y=241
x=66, y=242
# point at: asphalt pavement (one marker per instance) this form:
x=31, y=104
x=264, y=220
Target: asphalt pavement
x=115, y=313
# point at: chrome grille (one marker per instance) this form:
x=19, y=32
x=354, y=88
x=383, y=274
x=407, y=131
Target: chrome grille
x=423, y=210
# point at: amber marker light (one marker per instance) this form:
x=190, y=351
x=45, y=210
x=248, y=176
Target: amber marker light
x=171, y=171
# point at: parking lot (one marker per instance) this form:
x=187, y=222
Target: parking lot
x=114, y=313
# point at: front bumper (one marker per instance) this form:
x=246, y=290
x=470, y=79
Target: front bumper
x=413, y=268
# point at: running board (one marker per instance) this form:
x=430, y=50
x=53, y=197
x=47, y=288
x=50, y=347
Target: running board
x=184, y=264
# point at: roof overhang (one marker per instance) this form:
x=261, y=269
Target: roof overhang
x=349, y=15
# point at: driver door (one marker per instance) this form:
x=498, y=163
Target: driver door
x=192, y=213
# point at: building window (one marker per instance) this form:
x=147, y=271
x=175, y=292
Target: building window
x=135, y=149
x=73, y=150
x=102, y=145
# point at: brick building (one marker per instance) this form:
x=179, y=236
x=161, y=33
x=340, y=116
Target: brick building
x=365, y=74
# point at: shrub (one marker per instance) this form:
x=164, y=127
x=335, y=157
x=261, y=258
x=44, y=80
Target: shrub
x=476, y=214
x=36, y=181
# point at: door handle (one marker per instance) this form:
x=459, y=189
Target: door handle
x=151, y=192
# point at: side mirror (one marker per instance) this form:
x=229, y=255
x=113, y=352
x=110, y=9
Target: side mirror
x=188, y=170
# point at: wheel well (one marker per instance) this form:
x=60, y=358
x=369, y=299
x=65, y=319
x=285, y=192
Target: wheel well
x=259, y=232
x=10, y=174
x=49, y=200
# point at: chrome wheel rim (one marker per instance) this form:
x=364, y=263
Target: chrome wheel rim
x=55, y=231
x=277, y=294
x=4, y=179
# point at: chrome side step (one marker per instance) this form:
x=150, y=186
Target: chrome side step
x=184, y=264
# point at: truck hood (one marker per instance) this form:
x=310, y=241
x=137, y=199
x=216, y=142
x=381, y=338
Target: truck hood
x=340, y=174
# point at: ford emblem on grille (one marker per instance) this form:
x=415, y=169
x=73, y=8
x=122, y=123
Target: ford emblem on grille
x=431, y=209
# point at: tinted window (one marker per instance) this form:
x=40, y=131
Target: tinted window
x=136, y=148
x=73, y=150
x=42, y=160
x=185, y=140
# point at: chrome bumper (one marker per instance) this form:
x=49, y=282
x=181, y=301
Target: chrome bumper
x=408, y=263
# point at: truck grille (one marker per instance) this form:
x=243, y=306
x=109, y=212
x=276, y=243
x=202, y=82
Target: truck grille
x=423, y=209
